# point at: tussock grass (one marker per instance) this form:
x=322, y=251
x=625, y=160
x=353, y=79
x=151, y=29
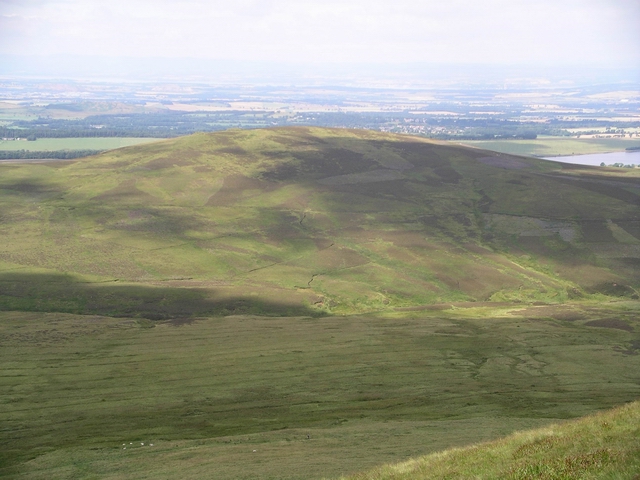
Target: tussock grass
x=606, y=445
x=366, y=389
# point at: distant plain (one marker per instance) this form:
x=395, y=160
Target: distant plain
x=556, y=146
x=53, y=144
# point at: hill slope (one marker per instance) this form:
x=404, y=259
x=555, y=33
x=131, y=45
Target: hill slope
x=169, y=294
x=305, y=221
x=606, y=445
x=246, y=397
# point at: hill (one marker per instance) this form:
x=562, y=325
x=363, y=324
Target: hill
x=311, y=221
x=606, y=445
x=299, y=303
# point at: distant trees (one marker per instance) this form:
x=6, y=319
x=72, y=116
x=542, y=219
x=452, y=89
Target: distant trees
x=60, y=154
x=461, y=126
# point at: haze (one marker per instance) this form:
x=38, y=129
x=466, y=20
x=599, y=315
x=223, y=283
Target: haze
x=316, y=35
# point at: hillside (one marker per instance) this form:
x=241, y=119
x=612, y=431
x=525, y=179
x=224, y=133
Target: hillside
x=600, y=446
x=311, y=221
x=246, y=397
x=305, y=303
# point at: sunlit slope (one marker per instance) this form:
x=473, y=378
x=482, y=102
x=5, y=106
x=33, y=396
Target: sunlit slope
x=303, y=220
x=606, y=445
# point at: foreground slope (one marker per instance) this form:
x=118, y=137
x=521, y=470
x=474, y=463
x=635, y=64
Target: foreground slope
x=305, y=221
x=245, y=397
x=601, y=446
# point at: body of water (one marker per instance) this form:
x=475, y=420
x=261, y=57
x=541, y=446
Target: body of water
x=626, y=158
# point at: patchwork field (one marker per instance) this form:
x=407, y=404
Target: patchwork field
x=331, y=299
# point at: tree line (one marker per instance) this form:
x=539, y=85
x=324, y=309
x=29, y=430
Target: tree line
x=173, y=124
x=59, y=154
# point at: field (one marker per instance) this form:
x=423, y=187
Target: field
x=305, y=303
x=556, y=146
x=53, y=144
x=14, y=111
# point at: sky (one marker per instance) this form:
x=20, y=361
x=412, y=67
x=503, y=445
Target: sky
x=544, y=33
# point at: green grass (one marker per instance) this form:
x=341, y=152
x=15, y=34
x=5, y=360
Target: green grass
x=555, y=146
x=223, y=293
x=252, y=210
x=366, y=389
x=54, y=144
x=603, y=446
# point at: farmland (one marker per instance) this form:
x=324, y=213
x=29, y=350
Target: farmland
x=556, y=146
x=457, y=112
x=53, y=144
x=305, y=302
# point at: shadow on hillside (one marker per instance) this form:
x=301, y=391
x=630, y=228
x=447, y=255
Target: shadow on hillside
x=351, y=156
x=30, y=188
x=61, y=293
x=160, y=221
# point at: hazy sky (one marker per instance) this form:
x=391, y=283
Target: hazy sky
x=533, y=32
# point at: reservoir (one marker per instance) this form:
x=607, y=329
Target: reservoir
x=626, y=158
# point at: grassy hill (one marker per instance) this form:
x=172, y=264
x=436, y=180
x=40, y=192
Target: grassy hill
x=292, y=221
x=300, y=303
x=600, y=446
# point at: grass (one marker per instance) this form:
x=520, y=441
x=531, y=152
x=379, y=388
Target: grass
x=556, y=146
x=251, y=210
x=602, y=446
x=55, y=144
x=215, y=295
x=366, y=389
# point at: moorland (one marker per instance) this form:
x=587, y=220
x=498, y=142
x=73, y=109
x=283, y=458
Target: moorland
x=305, y=302
x=596, y=447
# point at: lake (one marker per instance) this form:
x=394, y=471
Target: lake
x=627, y=158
